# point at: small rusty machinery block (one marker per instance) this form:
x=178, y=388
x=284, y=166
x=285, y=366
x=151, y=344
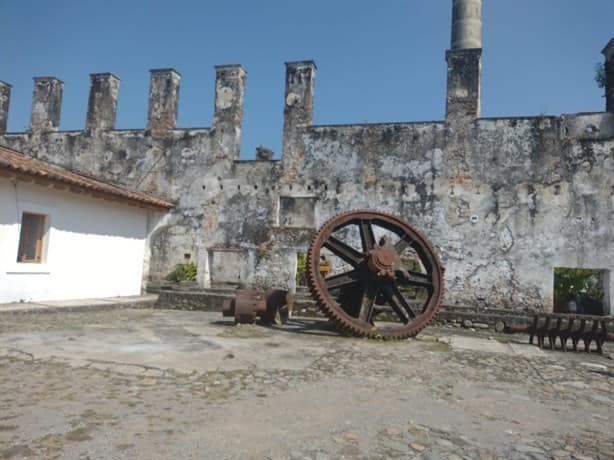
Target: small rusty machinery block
x=250, y=304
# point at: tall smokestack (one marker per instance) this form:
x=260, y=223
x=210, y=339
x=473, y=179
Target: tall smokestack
x=466, y=24
x=465, y=61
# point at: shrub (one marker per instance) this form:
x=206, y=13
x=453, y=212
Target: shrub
x=184, y=272
x=600, y=77
x=301, y=269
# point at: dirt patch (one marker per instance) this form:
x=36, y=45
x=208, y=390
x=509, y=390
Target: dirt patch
x=243, y=331
x=20, y=451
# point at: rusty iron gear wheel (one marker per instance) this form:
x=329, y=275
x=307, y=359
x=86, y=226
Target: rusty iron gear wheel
x=373, y=291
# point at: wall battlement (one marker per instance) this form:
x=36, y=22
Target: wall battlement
x=462, y=99
x=104, y=95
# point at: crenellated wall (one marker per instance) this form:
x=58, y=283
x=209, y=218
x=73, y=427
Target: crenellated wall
x=504, y=200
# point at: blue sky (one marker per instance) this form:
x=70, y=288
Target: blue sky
x=378, y=61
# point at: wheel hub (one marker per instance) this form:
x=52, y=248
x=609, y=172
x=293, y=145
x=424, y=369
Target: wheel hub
x=381, y=260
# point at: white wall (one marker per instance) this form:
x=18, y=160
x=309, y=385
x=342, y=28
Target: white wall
x=92, y=248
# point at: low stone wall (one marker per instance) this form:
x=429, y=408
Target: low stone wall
x=201, y=300
x=477, y=318
x=455, y=316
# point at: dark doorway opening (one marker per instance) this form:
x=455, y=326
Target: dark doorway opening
x=580, y=290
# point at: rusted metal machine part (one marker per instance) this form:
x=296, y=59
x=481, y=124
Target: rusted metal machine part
x=249, y=304
x=515, y=328
x=565, y=327
x=375, y=294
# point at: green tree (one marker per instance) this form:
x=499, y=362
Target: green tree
x=600, y=74
x=569, y=282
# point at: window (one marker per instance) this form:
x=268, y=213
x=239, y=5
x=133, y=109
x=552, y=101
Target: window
x=31, y=238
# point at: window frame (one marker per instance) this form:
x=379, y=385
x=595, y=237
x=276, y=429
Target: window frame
x=40, y=238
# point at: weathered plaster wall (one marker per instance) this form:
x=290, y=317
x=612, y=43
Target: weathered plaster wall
x=504, y=200
x=526, y=195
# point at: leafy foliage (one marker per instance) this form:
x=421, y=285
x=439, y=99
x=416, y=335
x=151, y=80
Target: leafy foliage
x=569, y=282
x=184, y=272
x=600, y=74
x=301, y=269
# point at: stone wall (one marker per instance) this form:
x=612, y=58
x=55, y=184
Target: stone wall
x=504, y=200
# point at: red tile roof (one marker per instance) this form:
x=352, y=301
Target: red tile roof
x=22, y=167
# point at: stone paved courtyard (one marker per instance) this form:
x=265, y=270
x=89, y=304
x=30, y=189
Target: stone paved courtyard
x=167, y=384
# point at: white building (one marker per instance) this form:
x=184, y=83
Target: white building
x=68, y=236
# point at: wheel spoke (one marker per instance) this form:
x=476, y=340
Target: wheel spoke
x=424, y=257
x=403, y=303
x=366, y=235
x=398, y=303
x=368, y=301
x=403, y=243
x=342, y=250
x=415, y=279
x=341, y=280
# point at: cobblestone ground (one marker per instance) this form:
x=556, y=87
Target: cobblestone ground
x=167, y=384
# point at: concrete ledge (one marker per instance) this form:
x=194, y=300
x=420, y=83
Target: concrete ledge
x=55, y=306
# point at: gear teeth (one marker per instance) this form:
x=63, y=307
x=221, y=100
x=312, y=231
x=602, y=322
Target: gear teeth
x=332, y=310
